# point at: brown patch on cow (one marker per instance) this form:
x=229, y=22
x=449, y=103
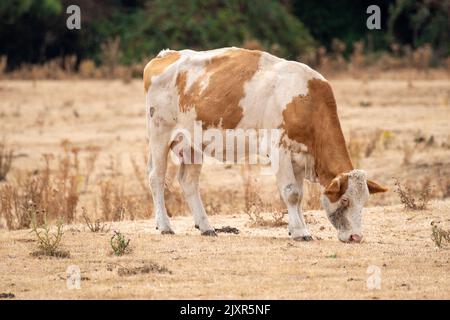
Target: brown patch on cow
x=313, y=121
x=337, y=188
x=218, y=104
x=157, y=66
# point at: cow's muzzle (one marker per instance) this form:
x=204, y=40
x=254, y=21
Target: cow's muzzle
x=355, y=238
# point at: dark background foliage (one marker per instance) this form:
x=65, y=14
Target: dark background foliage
x=34, y=31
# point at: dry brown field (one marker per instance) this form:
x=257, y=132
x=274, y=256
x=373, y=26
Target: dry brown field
x=396, y=126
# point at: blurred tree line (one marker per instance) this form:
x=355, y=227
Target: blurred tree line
x=34, y=31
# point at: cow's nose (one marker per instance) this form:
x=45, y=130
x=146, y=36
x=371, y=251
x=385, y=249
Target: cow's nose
x=355, y=238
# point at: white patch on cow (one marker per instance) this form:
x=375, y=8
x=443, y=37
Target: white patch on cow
x=273, y=86
x=258, y=102
x=194, y=64
x=186, y=120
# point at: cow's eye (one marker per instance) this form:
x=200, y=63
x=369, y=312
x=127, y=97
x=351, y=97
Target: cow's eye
x=345, y=202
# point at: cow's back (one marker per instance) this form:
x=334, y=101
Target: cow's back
x=226, y=88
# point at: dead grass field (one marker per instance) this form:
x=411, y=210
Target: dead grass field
x=395, y=127
x=257, y=263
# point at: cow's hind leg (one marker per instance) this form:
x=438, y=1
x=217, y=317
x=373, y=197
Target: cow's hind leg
x=188, y=176
x=292, y=194
x=157, y=165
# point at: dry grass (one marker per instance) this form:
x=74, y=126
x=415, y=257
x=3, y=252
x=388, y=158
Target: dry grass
x=358, y=65
x=97, y=225
x=373, y=142
x=408, y=152
x=6, y=158
x=258, y=263
x=364, y=145
x=355, y=149
x=55, y=194
x=112, y=201
x=254, y=206
x=147, y=267
x=442, y=183
x=311, y=198
x=414, y=200
x=56, y=188
x=109, y=117
x=91, y=159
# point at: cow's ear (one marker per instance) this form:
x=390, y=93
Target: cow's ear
x=333, y=187
x=375, y=187
x=337, y=187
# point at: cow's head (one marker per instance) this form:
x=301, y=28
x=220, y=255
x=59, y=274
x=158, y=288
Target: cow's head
x=343, y=200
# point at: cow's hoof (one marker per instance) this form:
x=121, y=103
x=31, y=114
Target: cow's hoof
x=303, y=238
x=196, y=226
x=167, y=232
x=209, y=233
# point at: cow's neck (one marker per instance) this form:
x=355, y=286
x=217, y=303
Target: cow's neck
x=313, y=120
x=328, y=146
x=330, y=159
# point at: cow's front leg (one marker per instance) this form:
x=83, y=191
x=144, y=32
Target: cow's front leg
x=292, y=194
x=188, y=177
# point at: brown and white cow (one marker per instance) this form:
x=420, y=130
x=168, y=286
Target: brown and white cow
x=233, y=88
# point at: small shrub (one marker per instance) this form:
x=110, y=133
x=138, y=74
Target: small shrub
x=409, y=199
x=439, y=236
x=48, y=242
x=119, y=244
x=96, y=226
